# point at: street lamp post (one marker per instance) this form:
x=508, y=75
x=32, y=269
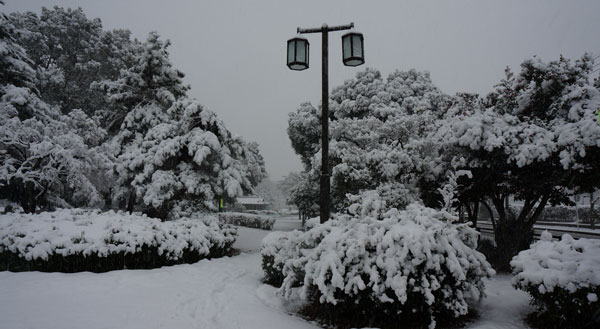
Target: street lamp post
x=297, y=59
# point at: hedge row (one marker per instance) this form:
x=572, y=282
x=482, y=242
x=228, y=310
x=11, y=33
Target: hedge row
x=74, y=240
x=247, y=220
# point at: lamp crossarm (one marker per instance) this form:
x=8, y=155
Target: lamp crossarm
x=325, y=28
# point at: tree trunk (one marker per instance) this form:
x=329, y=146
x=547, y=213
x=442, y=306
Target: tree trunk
x=28, y=199
x=513, y=232
x=474, y=216
x=592, y=211
x=28, y=206
x=131, y=201
x=511, y=237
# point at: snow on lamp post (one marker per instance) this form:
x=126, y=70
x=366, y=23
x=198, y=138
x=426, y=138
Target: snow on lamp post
x=297, y=59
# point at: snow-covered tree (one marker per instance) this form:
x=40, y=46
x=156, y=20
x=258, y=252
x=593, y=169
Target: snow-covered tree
x=174, y=156
x=305, y=195
x=71, y=53
x=374, y=124
x=535, y=139
x=287, y=184
x=40, y=157
x=271, y=193
x=255, y=163
x=304, y=131
x=438, y=175
x=151, y=79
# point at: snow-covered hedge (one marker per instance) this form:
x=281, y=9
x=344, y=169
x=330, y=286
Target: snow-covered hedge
x=563, y=279
x=277, y=247
x=71, y=240
x=247, y=220
x=408, y=266
x=263, y=212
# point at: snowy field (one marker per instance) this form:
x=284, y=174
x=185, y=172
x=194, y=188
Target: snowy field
x=211, y=294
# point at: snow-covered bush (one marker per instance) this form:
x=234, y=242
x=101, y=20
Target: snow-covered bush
x=247, y=220
x=311, y=222
x=563, y=279
x=263, y=212
x=380, y=266
x=71, y=240
x=277, y=247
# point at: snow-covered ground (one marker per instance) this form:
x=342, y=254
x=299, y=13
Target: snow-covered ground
x=220, y=293
x=287, y=223
x=503, y=308
x=211, y=294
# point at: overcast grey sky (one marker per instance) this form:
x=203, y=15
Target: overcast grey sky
x=233, y=52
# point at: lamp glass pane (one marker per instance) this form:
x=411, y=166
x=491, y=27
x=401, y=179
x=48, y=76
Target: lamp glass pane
x=346, y=50
x=300, y=51
x=357, y=45
x=290, y=52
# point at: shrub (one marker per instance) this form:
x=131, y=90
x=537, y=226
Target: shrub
x=277, y=247
x=247, y=220
x=311, y=223
x=263, y=212
x=563, y=280
x=73, y=240
x=378, y=267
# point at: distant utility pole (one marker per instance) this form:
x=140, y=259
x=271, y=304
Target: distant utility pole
x=297, y=59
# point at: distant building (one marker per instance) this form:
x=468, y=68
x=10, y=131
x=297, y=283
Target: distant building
x=252, y=202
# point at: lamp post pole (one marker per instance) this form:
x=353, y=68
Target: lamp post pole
x=324, y=197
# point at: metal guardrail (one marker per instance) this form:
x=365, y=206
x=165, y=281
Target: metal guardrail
x=557, y=231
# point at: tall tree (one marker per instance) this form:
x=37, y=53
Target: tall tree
x=173, y=156
x=40, y=157
x=375, y=123
x=70, y=54
x=535, y=139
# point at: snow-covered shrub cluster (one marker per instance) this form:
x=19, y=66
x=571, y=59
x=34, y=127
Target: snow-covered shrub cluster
x=89, y=240
x=562, y=277
x=411, y=266
x=263, y=212
x=248, y=220
x=276, y=249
